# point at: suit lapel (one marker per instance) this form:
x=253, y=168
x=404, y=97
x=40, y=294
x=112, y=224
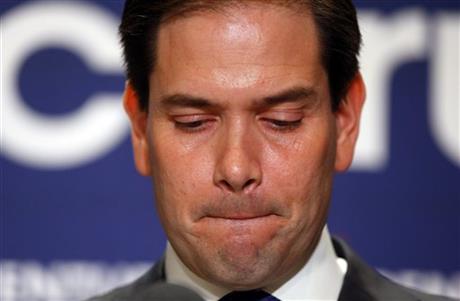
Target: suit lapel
x=363, y=283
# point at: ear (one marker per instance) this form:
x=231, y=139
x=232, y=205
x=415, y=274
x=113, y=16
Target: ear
x=347, y=117
x=138, y=120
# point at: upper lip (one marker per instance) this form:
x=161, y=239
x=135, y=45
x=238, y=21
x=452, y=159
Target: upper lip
x=233, y=208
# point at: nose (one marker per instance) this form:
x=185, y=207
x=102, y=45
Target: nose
x=238, y=162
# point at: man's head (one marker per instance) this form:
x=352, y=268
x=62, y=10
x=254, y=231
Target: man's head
x=336, y=22
x=237, y=129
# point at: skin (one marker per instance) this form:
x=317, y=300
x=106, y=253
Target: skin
x=241, y=142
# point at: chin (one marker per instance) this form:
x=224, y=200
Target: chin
x=243, y=267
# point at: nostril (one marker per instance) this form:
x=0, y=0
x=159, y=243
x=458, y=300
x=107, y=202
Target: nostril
x=224, y=184
x=237, y=187
x=249, y=184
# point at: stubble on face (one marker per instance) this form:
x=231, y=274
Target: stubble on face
x=259, y=234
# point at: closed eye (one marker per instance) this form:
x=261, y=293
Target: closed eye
x=190, y=125
x=283, y=125
x=194, y=123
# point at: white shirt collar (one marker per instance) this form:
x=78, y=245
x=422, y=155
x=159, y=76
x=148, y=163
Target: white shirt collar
x=320, y=278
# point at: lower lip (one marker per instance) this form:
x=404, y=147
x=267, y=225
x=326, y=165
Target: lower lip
x=257, y=220
x=239, y=233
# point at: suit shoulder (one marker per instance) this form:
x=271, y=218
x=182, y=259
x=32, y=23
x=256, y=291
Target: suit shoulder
x=118, y=294
x=129, y=291
x=363, y=283
x=387, y=289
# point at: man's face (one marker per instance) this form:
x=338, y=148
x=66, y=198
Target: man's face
x=241, y=142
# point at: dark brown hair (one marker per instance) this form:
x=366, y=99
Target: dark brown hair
x=336, y=22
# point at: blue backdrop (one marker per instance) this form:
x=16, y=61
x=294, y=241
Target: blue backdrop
x=71, y=203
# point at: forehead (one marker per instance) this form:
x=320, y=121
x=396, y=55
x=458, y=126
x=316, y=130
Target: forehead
x=237, y=48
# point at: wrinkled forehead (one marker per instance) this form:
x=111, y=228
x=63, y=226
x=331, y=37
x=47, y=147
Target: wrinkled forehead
x=243, y=25
x=239, y=41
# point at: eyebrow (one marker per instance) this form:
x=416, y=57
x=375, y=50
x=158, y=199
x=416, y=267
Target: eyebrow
x=295, y=94
x=185, y=100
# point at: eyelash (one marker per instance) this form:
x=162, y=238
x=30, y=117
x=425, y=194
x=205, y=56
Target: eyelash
x=193, y=126
x=277, y=125
x=283, y=125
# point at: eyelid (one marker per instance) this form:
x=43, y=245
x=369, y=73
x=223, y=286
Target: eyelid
x=282, y=115
x=192, y=123
x=282, y=120
x=189, y=118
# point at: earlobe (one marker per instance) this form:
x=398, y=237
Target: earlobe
x=348, y=116
x=138, y=119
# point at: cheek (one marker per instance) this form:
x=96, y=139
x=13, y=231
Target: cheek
x=182, y=176
x=302, y=172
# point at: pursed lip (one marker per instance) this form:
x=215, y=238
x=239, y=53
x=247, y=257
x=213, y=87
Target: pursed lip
x=242, y=219
x=239, y=209
x=240, y=216
x=241, y=224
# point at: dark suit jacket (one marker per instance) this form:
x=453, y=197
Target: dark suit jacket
x=361, y=283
